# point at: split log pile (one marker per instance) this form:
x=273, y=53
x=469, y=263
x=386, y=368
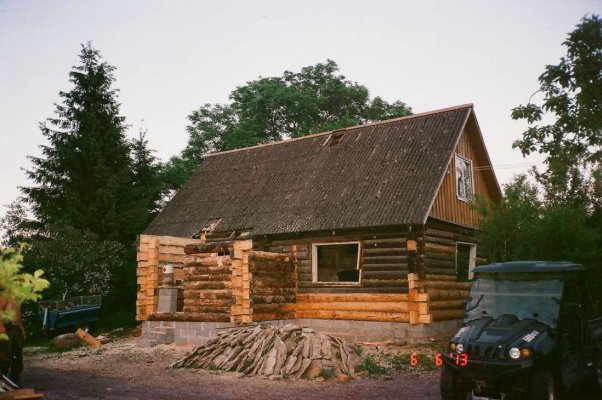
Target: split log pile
x=293, y=351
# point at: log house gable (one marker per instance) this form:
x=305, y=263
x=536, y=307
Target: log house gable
x=449, y=205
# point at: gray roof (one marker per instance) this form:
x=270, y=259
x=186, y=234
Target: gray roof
x=381, y=174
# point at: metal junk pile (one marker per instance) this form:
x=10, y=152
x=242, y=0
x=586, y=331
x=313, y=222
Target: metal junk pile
x=289, y=351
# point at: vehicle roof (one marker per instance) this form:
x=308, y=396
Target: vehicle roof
x=530, y=266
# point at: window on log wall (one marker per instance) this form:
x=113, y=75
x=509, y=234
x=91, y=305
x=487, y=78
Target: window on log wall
x=464, y=189
x=336, y=262
x=466, y=256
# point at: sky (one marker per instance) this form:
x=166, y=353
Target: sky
x=175, y=56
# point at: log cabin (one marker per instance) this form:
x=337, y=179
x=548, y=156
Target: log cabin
x=366, y=231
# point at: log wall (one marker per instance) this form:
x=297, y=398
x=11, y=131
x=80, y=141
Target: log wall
x=273, y=288
x=383, y=263
x=152, y=252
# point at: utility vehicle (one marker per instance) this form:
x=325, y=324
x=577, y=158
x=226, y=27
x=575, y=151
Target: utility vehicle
x=529, y=328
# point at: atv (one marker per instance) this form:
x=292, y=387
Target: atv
x=529, y=328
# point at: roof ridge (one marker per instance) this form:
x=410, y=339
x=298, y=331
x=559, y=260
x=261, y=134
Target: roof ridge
x=386, y=121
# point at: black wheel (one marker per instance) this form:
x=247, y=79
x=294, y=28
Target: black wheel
x=543, y=386
x=598, y=378
x=451, y=386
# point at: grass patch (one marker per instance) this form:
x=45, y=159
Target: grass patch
x=214, y=369
x=328, y=373
x=369, y=365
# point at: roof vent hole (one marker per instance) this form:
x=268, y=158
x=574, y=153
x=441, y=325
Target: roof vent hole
x=334, y=138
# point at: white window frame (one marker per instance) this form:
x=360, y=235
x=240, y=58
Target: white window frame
x=469, y=196
x=314, y=264
x=472, y=258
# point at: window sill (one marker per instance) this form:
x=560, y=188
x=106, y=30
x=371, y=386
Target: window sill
x=337, y=284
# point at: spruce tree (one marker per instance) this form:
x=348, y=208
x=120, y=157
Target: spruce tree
x=83, y=178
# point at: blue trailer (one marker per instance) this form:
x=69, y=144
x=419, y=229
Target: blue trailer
x=77, y=312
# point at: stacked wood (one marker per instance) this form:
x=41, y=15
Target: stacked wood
x=151, y=253
x=207, y=289
x=273, y=286
x=290, y=351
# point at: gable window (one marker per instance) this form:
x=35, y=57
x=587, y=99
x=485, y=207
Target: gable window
x=464, y=188
x=336, y=262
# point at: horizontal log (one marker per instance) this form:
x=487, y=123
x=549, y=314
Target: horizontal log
x=207, y=277
x=354, y=315
x=215, y=247
x=206, y=285
x=386, y=259
x=207, y=309
x=272, y=267
x=263, y=255
x=439, y=277
x=395, y=241
x=394, y=307
x=355, y=297
x=385, y=267
x=195, y=317
x=430, y=284
x=446, y=315
x=449, y=294
x=274, y=316
x=199, y=260
x=430, y=232
x=353, y=289
x=385, y=283
x=271, y=308
x=284, y=275
x=445, y=257
x=385, y=275
x=381, y=251
x=276, y=283
x=273, y=299
x=225, y=302
x=446, y=305
x=207, y=270
x=441, y=241
x=272, y=291
x=437, y=248
x=447, y=272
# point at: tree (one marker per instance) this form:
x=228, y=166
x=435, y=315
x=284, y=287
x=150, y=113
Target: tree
x=84, y=176
x=572, y=92
x=313, y=100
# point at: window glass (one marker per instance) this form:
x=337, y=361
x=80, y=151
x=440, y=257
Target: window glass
x=336, y=262
x=464, y=189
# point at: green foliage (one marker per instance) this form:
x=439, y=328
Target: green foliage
x=524, y=227
x=90, y=177
x=214, y=369
x=313, y=100
x=370, y=365
x=401, y=362
x=328, y=373
x=16, y=285
x=572, y=98
x=93, y=191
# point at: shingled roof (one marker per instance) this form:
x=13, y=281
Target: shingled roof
x=381, y=174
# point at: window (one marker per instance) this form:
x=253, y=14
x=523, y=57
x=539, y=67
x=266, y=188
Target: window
x=464, y=189
x=466, y=257
x=336, y=262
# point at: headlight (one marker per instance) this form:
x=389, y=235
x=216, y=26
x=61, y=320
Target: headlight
x=514, y=353
x=459, y=348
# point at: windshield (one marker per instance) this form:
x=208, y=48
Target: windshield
x=493, y=298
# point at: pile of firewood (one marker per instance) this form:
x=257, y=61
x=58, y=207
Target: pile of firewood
x=290, y=351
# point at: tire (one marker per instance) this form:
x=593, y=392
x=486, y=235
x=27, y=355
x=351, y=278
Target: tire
x=450, y=385
x=543, y=385
x=598, y=378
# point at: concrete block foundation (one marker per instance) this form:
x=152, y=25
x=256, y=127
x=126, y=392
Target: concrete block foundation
x=191, y=334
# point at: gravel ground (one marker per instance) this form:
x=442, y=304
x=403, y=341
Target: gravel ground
x=121, y=371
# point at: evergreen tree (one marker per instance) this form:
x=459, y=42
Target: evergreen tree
x=84, y=174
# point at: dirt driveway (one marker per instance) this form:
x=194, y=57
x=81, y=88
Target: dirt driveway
x=122, y=371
